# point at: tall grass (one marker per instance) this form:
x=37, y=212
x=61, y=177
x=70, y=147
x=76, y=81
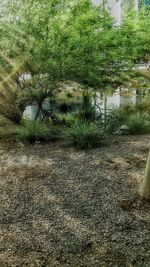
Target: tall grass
x=87, y=114
x=32, y=131
x=84, y=135
x=138, y=123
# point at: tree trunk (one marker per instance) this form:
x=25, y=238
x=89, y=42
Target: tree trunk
x=145, y=187
x=105, y=110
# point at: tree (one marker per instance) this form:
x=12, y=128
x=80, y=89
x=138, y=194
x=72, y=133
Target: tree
x=142, y=54
x=66, y=40
x=139, y=30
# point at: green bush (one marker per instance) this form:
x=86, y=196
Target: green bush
x=144, y=106
x=69, y=118
x=83, y=135
x=112, y=123
x=87, y=114
x=113, y=120
x=55, y=133
x=138, y=123
x=32, y=131
x=123, y=113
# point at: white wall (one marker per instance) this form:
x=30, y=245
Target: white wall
x=114, y=6
x=136, y=3
x=115, y=10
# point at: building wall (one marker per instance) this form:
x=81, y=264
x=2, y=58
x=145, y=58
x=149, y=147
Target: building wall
x=115, y=7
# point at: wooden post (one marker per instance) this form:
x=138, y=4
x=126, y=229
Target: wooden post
x=145, y=187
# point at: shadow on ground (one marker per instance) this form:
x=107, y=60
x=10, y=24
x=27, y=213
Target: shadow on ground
x=61, y=207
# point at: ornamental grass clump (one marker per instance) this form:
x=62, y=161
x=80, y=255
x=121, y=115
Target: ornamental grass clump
x=32, y=131
x=84, y=135
x=138, y=123
x=88, y=114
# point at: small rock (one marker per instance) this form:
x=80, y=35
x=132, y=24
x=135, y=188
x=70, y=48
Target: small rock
x=124, y=128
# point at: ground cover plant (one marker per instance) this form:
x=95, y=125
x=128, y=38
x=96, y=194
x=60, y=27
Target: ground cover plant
x=138, y=123
x=83, y=135
x=32, y=131
x=69, y=118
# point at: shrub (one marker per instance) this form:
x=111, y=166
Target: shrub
x=144, y=105
x=87, y=114
x=32, y=131
x=138, y=123
x=123, y=113
x=114, y=119
x=112, y=123
x=83, y=135
x=69, y=118
x=55, y=133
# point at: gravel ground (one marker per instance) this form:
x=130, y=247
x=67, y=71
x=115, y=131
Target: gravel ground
x=61, y=207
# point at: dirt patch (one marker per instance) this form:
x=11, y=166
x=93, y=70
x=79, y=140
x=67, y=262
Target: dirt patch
x=61, y=207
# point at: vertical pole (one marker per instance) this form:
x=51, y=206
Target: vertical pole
x=145, y=187
x=105, y=109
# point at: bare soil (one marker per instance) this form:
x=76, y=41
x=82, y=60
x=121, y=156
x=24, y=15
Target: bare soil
x=62, y=207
